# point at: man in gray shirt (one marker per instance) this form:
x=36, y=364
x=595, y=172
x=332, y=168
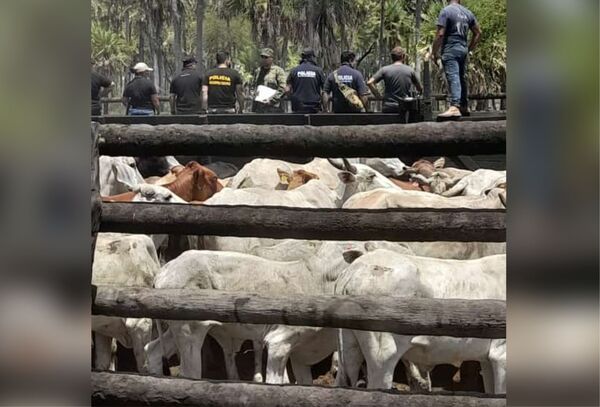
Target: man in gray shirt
x=398, y=79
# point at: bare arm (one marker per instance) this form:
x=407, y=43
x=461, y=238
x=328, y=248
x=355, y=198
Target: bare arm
x=155, y=103
x=172, y=101
x=204, y=97
x=106, y=90
x=417, y=83
x=125, y=101
x=373, y=87
x=437, y=43
x=239, y=93
x=325, y=101
x=365, y=101
x=476, y=37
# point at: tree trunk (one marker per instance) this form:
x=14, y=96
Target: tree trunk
x=418, y=10
x=381, y=40
x=177, y=49
x=200, y=7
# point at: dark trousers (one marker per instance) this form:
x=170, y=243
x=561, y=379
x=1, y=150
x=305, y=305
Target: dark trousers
x=264, y=108
x=455, y=67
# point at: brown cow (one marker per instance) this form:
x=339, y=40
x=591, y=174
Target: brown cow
x=294, y=180
x=193, y=183
x=410, y=185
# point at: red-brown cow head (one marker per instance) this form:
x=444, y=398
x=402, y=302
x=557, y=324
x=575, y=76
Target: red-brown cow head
x=195, y=183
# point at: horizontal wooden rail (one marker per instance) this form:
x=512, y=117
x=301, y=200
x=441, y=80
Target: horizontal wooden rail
x=392, y=140
x=422, y=225
x=287, y=119
x=408, y=316
x=115, y=389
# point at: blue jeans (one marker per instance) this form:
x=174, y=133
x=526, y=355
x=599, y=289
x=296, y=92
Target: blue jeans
x=455, y=66
x=140, y=112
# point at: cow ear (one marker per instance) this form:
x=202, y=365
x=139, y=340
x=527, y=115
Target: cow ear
x=346, y=177
x=439, y=163
x=284, y=176
x=351, y=255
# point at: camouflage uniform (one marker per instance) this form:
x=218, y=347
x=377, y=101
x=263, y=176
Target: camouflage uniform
x=275, y=78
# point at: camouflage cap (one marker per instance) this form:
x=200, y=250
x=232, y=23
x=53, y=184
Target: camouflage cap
x=267, y=52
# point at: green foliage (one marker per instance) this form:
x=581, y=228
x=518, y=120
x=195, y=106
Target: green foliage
x=329, y=26
x=109, y=49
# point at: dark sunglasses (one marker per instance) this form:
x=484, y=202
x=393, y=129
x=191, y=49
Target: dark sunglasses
x=264, y=57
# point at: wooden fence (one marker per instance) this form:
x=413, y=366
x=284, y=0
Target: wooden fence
x=113, y=389
x=405, y=316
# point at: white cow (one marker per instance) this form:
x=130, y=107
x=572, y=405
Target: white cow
x=261, y=173
x=118, y=175
x=478, y=183
x=314, y=194
x=442, y=250
x=383, y=198
x=124, y=261
x=242, y=272
x=384, y=272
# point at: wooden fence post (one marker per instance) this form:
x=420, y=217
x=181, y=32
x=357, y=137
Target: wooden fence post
x=427, y=102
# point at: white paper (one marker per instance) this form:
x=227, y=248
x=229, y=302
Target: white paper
x=264, y=94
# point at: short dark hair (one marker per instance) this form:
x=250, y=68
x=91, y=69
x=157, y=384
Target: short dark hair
x=348, y=56
x=189, y=60
x=222, y=56
x=398, y=54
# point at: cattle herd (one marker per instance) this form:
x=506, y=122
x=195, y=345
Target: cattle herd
x=461, y=270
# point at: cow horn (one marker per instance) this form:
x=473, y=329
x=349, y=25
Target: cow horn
x=349, y=167
x=336, y=164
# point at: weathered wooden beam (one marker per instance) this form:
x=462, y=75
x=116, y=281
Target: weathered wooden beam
x=116, y=389
x=392, y=140
x=409, y=316
x=421, y=225
x=287, y=119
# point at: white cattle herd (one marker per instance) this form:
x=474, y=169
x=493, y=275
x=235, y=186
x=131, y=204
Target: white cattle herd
x=474, y=270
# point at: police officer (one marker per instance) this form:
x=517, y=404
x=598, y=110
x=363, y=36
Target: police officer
x=271, y=76
x=347, y=75
x=186, y=89
x=305, y=84
x=222, y=86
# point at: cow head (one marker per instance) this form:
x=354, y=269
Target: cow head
x=426, y=174
x=125, y=173
x=427, y=168
x=155, y=193
x=195, y=183
x=359, y=178
x=295, y=179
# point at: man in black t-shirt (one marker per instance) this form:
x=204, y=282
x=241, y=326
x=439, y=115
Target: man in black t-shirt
x=221, y=86
x=186, y=89
x=140, y=96
x=305, y=84
x=100, y=87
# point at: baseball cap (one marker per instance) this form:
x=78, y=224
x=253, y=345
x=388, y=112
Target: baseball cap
x=307, y=53
x=141, y=67
x=267, y=52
